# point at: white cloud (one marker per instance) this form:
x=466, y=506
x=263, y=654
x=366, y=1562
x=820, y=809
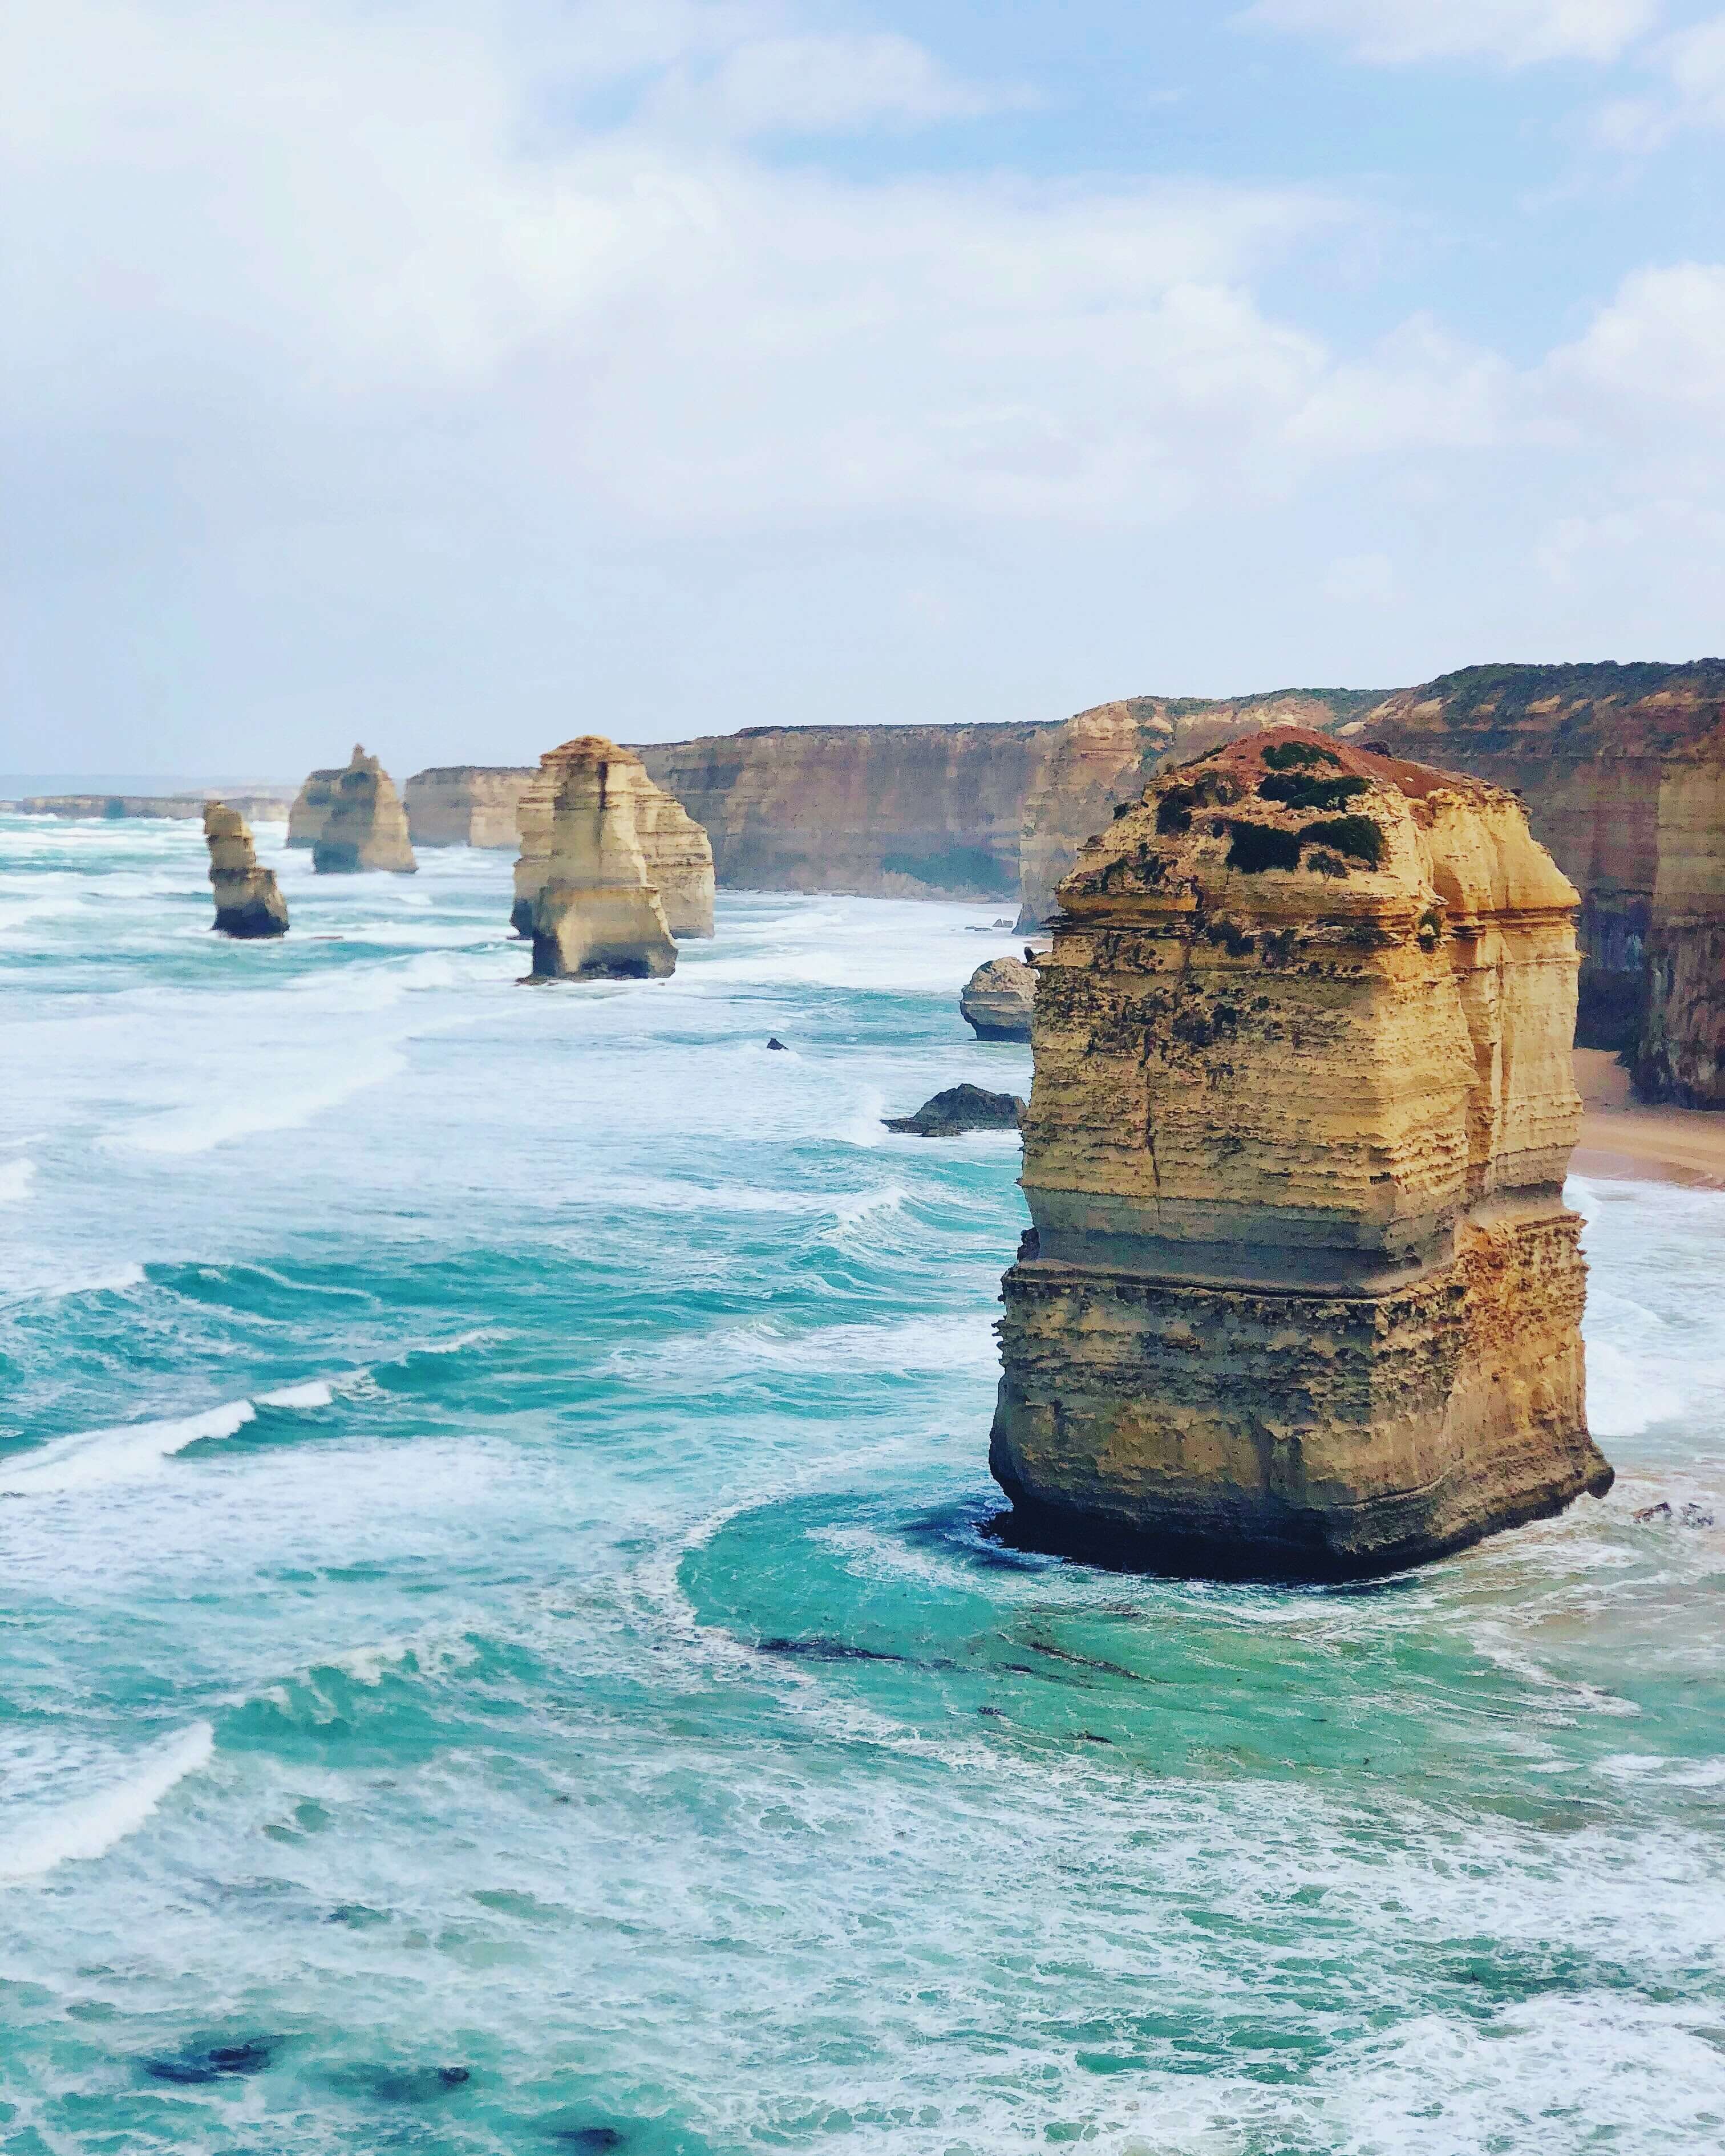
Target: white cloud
x=1690, y=66
x=1516, y=33
x=834, y=83
x=1651, y=357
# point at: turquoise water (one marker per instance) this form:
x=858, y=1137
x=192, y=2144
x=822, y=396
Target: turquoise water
x=499, y=1653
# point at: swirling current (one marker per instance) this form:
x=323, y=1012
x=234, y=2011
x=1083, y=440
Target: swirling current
x=500, y=1655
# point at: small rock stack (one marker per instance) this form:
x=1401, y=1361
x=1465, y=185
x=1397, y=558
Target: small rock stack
x=248, y=901
x=366, y=828
x=996, y=999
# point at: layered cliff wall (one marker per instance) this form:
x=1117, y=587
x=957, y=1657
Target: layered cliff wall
x=269, y=806
x=1302, y=1293
x=1623, y=770
x=466, y=804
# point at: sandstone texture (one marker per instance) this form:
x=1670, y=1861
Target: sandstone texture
x=1623, y=771
x=466, y=804
x=249, y=901
x=311, y=807
x=595, y=912
x=678, y=858
x=996, y=1000
x=1302, y=1296
x=365, y=827
x=961, y=1108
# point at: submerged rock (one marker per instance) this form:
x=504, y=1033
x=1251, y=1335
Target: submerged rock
x=366, y=829
x=959, y=1109
x=678, y=858
x=248, y=901
x=1302, y=1296
x=997, y=998
x=210, y=2062
x=596, y=913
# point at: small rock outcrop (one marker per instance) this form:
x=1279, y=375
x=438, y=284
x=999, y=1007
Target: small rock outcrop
x=466, y=804
x=596, y=913
x=959, y=1109
x=996, y=1000
x=249, y=901
x=677, y=860
x=1301, y=1295
x=366, y=829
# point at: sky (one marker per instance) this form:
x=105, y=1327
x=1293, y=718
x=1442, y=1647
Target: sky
x=460, y=375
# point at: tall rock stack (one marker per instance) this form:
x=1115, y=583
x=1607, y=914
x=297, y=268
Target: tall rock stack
x=311, y=809
x=249, y=901
x=678, y=858
x=367, y=827
x=596, y=912
x=1301, y=1295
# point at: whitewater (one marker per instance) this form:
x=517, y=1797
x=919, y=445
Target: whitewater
x=501, y=1651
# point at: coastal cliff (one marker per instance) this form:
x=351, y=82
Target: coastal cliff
x=677, y=860
x=1302, y=1294
x=1623, y=771
x=267, y=806
x=466, y=804
x=365, y=829
x=249, y=901
x=596, y=913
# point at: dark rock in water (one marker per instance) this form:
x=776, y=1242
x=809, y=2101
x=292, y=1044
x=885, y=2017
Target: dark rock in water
x=590, y=2138
x=1662, y=1511
x=773, y=1041
x=1691, y=1515
x=210, y=2062
x=959, y=1109
x=1696, y=1516
x=402, y=2084
x=826, y=1650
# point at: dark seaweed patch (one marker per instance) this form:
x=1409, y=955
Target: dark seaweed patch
x=826, y=1650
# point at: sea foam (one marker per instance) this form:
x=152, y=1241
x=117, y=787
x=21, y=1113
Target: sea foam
x=89, y=1826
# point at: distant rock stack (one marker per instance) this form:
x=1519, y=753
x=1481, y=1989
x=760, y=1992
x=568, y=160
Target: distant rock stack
x=674, y=849
x=996, y=1000
x=311, y=809
x=596, y=913
x=366, y=828
x=248, y=901
x=1302, y=1296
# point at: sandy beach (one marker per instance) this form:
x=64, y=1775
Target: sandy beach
x=1621, y=1137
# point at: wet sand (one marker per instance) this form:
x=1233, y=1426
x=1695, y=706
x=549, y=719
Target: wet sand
x=1620, y=1137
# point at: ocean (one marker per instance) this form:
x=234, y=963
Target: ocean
x=501, y=1650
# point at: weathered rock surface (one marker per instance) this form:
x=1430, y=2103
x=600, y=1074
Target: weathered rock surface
x=249, y=901
x=311, y=806
x=466, y=804
x=595, y=912
x=366, y=827
x=996, y=1000
x=1301, y=1295
x=1621, y=770
x=958, y=1109
x=678, y=859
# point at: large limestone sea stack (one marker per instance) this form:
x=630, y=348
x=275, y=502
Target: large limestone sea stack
x=366, y=828
x=1303, y=1296
x=677, y=860
x=249, y=901
x=594, y=908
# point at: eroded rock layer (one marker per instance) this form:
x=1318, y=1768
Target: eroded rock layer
x=466, y=804
x=249, y=901
x=366, y=827
x=678, y=858
x=311, y=807
x=1302, y=1294
x=594, y=911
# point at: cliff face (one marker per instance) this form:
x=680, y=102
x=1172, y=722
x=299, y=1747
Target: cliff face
x=1302, y=1294
x=262, y=808
x=466, y=804
x=900, y=811
x=249, y=901
x=1620, y=768
x=678, y=858
x=366, y=828
x=595, y=913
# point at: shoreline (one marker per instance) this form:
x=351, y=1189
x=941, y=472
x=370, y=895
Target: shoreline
x=1623, y=1140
